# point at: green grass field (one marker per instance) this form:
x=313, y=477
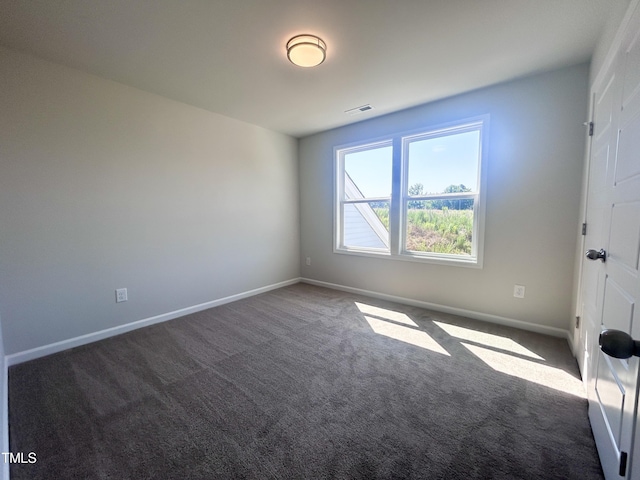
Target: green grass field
x=438, y=231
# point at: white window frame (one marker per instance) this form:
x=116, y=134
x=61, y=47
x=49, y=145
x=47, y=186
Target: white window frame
x=341, y=200
x=399, y=196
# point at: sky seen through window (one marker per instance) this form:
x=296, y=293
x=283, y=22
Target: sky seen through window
x=435, y=162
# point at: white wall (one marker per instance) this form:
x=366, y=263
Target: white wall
x=105, y=186
x=533, y=193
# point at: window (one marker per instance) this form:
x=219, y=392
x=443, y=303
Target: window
x=413, y=196
x=365, y=186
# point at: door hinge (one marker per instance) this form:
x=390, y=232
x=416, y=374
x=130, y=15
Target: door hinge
x=590, y=129
x=623, y=464
x=584, y=229
x=577, y=321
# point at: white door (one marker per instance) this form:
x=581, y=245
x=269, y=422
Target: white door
x=611, y=288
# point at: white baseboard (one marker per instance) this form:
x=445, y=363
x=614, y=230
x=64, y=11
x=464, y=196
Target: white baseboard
x=25, y=356
x=486, y=317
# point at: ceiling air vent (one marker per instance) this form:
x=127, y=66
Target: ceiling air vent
x=359, y=110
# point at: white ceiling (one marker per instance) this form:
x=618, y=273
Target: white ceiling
x=228, y=56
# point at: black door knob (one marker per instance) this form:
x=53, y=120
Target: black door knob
x=595, y=254
x=618, y=344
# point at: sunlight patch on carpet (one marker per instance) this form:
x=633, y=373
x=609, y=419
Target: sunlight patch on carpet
x=405, y=334
x=528, y=370
x=488, y=339
x=385, y=314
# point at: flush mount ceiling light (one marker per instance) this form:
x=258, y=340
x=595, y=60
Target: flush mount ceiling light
x=306, y=50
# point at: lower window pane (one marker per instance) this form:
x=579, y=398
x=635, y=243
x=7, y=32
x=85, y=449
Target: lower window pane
x=440, y=226
x=366, y=225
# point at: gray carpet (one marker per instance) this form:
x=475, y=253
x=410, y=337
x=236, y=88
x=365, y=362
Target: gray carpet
x=302, y=382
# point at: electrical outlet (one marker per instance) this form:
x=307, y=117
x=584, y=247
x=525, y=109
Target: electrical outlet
x=308, y=261
x=518, y=291
x=121, y=295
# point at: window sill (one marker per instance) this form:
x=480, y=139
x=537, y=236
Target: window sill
x=447, y=260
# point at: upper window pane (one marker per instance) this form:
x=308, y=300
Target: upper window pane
x=369, y=171
x=438, y=163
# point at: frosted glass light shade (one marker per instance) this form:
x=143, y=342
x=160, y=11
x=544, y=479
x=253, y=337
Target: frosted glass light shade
x=306, y=50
